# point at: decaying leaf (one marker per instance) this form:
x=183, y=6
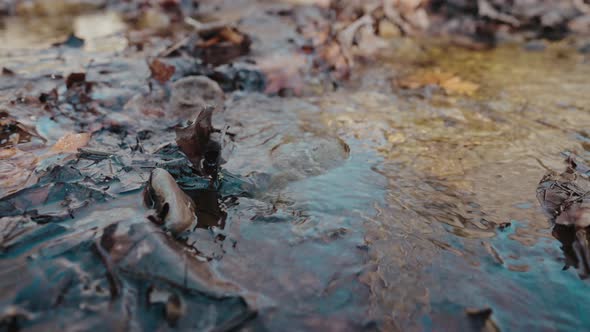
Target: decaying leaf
x=449, y=82
x=13, y=132
x=160, y=71
x=564, y=198
x=70, y=143
x=196, y=143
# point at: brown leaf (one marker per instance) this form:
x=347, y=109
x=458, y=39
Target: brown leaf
x=195, y=142
x=458, y=86
x=448, y=81
x=71, y=143
x=7, y=72
x=221, y=45
x=75, y=78
x=231, y=35
x=160, y=71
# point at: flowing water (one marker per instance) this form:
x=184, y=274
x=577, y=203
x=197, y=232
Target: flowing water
x=366, y=207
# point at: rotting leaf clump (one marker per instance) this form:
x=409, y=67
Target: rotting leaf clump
x=565, y=198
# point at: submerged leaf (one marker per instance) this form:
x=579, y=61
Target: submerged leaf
x=449, y=82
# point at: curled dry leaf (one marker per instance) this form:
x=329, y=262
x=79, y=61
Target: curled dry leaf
x=174, y=209
x=160, y=71
x=448, y=81
x=70, y=143
x=196, y=143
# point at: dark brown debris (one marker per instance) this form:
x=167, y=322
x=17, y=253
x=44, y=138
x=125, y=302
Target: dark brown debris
x=222, y=45
x=75, y=79
x=565, y=198
x=160, y=71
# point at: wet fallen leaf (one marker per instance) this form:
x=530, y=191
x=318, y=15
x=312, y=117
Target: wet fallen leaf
x=160, y=71
x=71, y=143
x=15, y=168
x=448, y=81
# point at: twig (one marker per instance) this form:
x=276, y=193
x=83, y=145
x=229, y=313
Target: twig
x=174, y=47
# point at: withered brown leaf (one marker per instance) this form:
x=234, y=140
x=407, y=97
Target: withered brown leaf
x=160, y=71
x=196, y=143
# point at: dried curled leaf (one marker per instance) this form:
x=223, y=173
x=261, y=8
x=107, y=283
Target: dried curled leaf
x=196, y=143
x=160, y=71
x=71, y=143
x=449, y=82
x=174, y=209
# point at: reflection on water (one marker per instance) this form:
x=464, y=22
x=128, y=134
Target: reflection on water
x=369, y=206
x=459, y=169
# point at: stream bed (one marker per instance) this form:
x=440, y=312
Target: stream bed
x=386, y=203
